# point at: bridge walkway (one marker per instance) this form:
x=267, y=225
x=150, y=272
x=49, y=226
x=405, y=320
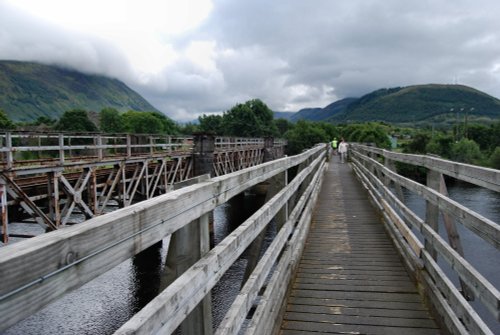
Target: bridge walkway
x=350, y=278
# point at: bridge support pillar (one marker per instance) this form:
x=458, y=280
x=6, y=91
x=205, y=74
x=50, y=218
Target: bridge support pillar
x=274, y=185
x=269, y=152
x=187, y=245
x=203, y=154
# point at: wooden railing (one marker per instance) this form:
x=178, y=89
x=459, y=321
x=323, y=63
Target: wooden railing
x=39, y=270
x=50, y=176
x=29, y=150
x=418, y=239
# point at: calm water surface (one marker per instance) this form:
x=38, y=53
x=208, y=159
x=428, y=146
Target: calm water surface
x=480, y=254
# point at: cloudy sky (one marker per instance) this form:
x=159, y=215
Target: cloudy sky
x=189, y=57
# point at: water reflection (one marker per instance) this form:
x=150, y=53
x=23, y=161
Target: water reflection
x=145, y=285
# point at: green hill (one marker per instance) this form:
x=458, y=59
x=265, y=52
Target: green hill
x=419, y=105
x=30, y=90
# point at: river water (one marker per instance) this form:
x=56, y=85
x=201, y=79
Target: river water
x=104, y=304
x=483, y=256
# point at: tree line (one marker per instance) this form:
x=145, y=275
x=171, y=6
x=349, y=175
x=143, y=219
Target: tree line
x=474, y=144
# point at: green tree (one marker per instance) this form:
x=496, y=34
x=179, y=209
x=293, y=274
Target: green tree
x=44, y=120
x=76, y=120
x=111, y=121
x=188, y=128
x=304, y=136
x=168, y=125
x=148, y=123
x=466, y=151
x=141, y=123
x=241, y=121
x=251, y=119
x=480, y=134
x=5, y=122
x=418, y=144
x=212, y=124
x=330, y=130
x=282, y=126
x=264, y=116
x=440, y=145
x=367, y=133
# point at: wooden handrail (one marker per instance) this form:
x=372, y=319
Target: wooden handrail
x=39, y=270
x=446, y=298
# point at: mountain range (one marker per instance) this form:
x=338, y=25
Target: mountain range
x=419, y=105
x=30, y=90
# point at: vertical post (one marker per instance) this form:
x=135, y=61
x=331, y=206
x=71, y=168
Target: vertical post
x=61, y=149
x=3, y=204
x=8, y=145
x=123, y=188
x=431, y=210
x=99, y=148
x=93, y=191
x=55, y=198
x=129, y=146
x=168, y=142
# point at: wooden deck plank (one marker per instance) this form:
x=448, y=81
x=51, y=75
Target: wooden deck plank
x=350, y=278
x=298, y=327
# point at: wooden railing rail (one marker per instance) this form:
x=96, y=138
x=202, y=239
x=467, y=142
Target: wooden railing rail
x=418, y=239
x=30, y=149
x=39, y=270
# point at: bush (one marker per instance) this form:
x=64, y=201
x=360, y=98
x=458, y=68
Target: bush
x=495, y=159
x=466, y=151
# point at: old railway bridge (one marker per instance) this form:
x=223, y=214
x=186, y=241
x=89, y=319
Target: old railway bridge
x=348, y=256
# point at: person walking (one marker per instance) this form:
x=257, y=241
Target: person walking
x=343, y=151
x=334, y=145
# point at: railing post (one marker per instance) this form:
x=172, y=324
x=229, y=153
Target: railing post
x=3, y=204
x=151, y=145
x=61, y=149
x=9, y=154
x=431, y=210
x=129, y=146
x=99, y=148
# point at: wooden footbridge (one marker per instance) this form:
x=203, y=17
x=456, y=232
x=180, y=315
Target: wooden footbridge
x=349, y=257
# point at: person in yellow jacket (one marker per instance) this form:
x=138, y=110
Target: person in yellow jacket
x=334, y=145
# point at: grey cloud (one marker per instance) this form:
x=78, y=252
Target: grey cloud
x=291, y=53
